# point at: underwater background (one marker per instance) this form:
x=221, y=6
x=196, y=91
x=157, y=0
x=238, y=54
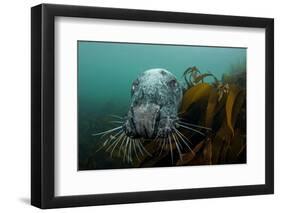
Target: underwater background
x=106, y=71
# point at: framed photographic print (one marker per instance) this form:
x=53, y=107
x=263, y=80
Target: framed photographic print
x=139, y=106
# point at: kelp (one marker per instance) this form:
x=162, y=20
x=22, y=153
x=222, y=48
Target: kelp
x=226, y=104
x=193, y=76
x=213, y=101
x=230, y=101
x=195, y=94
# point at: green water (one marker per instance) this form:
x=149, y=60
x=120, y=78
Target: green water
x=106, y=71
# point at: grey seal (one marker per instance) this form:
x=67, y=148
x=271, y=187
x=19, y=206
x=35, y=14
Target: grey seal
x=156, y=96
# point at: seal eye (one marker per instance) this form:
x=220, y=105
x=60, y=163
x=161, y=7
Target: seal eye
x=172, y=83
x=134, y=86
x=163, y=72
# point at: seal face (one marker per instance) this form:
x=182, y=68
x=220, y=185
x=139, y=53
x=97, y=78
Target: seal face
x=155, y=99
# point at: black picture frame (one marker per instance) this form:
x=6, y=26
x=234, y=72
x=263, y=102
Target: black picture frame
x=43, y=117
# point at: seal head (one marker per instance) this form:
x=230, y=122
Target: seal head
x=155, y=99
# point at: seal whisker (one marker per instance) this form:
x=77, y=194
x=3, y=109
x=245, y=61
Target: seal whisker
x=158, y=141
x=176, y=137
x=176, y=142
x=194, y=125
x=117, y=116
x=105, y=143
x=144, y=149
x=120, y=147
x=180, y=113
x=171, y=149
x=189, y=128
x=117, y=122
x=107, y=131
x=135, y=150
x=156, y=137
x=125, y=149
x=166, y=146
x=117, y=142
x=130, y=151
x=183, y=136
x=162, y=145
x=138, y=145
x=179, y=135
